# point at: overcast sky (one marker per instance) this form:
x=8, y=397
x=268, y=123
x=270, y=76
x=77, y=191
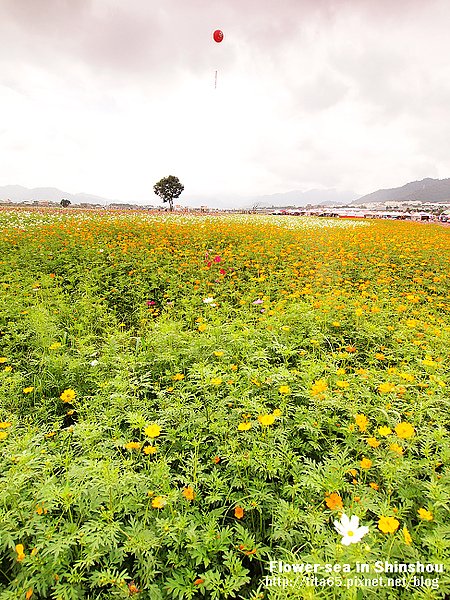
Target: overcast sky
x=108, y=96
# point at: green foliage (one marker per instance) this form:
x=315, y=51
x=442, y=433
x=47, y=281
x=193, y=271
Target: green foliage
x=199, y=327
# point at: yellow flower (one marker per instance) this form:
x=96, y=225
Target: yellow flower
x=388, y=524
x=55, y=346
x=27, y=390
x=178, y=377
x=29, y=594
x=373, y=442
x=234, y=367
x=3, y=359
x=244, y=426
x=277, y=412
x=188, y=493
x=218, y=353
x=319, y=387
x=425, y=515
x=202, y=327
x=380, y=356
x=396, y=448
x=216, y=381
x=366, y=463
x=385, y=388
x=149, y=449
x=406, y=376
x=429, y=362
x=359, y=312
x=3, y=435
x=132, y=446
x=374, y=486
x=362, y=421
x=68, y=395
x=384, y=431
x=5, y=424
x=20, y=552
x=153, y=430
x=406, y=536
x=341, y=371
x=342, y=384
x=284, y=389
x=404, y=430
x=8, y=369
x=159, y=502
x=336, y=323
x=266, y=419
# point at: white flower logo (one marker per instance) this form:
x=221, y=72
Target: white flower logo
x=350, y=530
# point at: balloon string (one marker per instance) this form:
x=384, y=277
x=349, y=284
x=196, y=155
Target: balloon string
x=215, y=80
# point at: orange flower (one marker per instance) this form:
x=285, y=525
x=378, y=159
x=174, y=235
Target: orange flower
x=133, y=588
x=188, y=493
x=334, y=501
x=238, y=512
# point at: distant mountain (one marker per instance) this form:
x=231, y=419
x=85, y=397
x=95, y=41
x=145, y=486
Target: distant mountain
x=426, y=190
x=18, y=193
x=302, y=198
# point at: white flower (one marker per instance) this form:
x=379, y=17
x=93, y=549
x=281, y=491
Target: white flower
x=209, y=301
x=93, y=363
x=350, y=530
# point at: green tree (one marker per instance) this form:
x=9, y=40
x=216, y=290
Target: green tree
x=65, y=203
x=168, y=188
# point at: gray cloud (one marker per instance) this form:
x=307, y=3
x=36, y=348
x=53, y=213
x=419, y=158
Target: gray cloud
x=324, y=92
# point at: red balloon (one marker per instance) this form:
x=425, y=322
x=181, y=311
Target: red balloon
x=218, y=36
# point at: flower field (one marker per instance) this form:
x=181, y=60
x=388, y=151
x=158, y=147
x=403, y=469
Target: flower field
x=187, y=402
